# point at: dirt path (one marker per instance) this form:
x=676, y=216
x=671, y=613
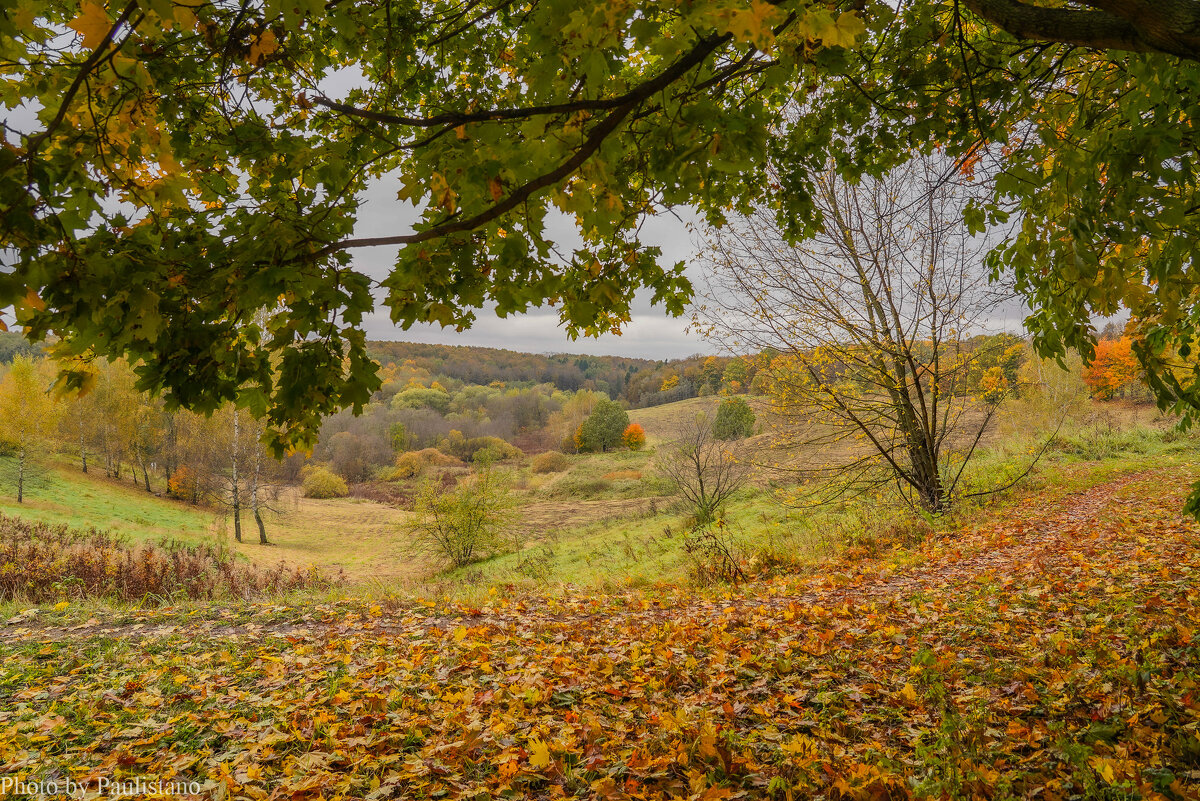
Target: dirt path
x=1037, y=541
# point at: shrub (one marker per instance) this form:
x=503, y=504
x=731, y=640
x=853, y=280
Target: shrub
x=714, y=555
x=478, y=449
x=465, y=524
x=492, y=449
x=320, y=483
x=408, y=465
x=634, y=437
x=735, y=419
x=41, y=562
x=603, y=429
x=413, y=463
x=182, y=482
x=550, y=462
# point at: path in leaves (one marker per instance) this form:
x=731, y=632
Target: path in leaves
x=1051, y=653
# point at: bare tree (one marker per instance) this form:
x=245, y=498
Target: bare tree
x=876, y=318
x=703, y=469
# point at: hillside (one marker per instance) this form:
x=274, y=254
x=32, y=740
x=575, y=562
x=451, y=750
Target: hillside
x=1049, y=649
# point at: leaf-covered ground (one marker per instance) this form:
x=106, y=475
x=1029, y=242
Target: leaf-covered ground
x=1051, y=653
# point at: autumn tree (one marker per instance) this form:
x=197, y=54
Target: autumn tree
x=1114, y=368
x=704, y=471
x=1083, y=119
x=871, y=317
x=604, y=427
x=28, y=416
x=188, y=215
x=634, y=437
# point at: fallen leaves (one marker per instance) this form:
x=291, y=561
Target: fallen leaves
x=1051, y=655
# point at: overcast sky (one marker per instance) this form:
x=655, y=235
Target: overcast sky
x=651, y=334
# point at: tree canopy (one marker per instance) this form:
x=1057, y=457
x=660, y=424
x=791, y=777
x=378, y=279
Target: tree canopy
x=1083, y=118
x=170, y=171
x=181, y=181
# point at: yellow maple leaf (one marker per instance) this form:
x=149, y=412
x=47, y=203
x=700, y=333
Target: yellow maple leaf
x=92, y=24
x=444, y=197
x=263, y=46
x=539, y=755
x=755, y=24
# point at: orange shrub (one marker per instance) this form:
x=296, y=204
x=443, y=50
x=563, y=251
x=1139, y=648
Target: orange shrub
x=634, y=437
x=182, y=483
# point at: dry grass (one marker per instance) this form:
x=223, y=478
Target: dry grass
x=368, y=540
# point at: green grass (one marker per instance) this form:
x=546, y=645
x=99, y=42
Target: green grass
x=586, y=527
x=58, y=494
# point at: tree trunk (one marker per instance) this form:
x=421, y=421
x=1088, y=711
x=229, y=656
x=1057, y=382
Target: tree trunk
x=82, y=444
x=141, y=462
x=21, y=476
x=237, y=501
x=262, y=529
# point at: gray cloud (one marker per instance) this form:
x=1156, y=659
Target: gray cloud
x=650, y=334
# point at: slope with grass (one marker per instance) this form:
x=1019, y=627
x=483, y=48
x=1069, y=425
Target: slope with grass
x=363, y=538
x=1048, y=649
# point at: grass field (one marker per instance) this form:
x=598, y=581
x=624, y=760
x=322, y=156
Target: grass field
x=607, y=520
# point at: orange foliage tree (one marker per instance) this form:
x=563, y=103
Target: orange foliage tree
x=1113, y=369
x=634, y=437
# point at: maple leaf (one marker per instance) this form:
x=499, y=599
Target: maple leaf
x=92, y=24
x=755, y=24
x=539, y=755
x=263, y=46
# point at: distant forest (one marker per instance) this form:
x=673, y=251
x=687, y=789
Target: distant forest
x=637, y=382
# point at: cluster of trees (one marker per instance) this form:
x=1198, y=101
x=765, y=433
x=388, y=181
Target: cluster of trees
x=1114, y=370
x=127, y=434
x=1079, y=120
x=635, y=382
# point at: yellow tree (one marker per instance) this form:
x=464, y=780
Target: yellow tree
x=28, y=415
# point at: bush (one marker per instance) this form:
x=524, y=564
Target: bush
x=182, y=483
x=41, y=562
x=550, y=462
x=413, y=464
x=466, y=524
x=735, y=419
x=603, y=429
x=478, y=449
x=634, y=437
x=408, y=465
x=320, y=483
x=714, y=555
x=492, y=449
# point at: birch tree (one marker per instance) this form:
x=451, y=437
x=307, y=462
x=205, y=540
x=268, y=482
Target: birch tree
x=28, y=415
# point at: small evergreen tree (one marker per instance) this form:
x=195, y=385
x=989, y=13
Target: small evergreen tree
x=735, y=419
